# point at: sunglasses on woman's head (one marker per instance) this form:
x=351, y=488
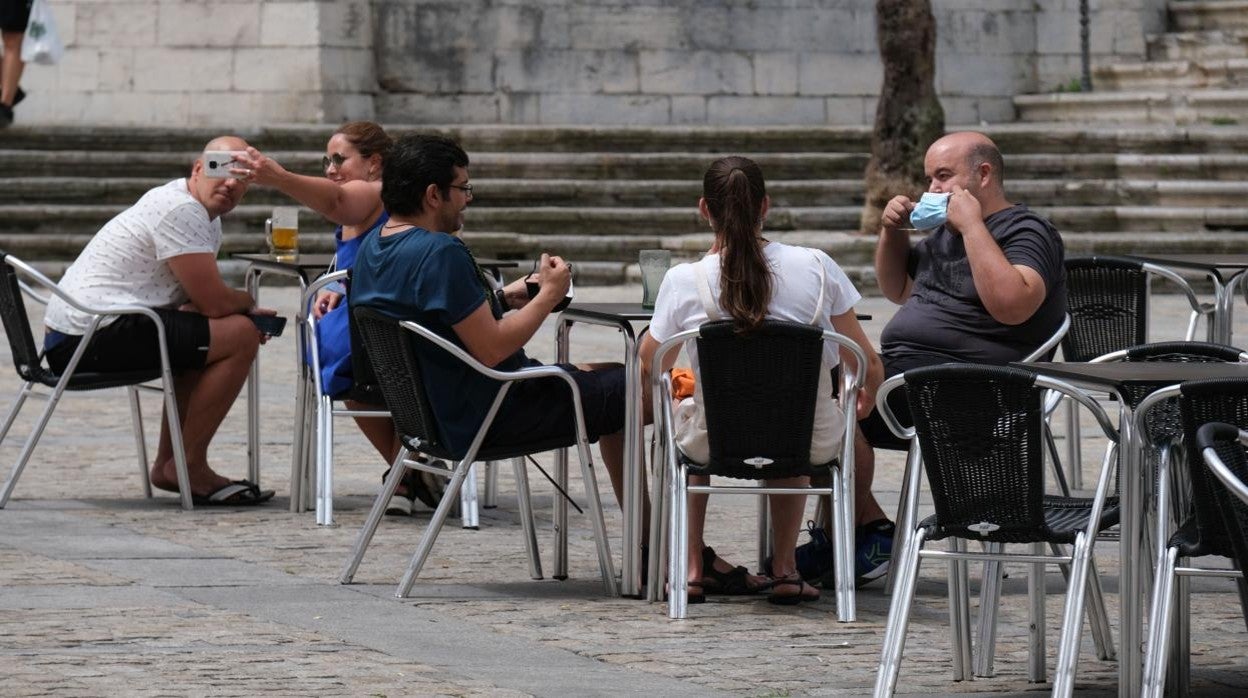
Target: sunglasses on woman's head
x=337, y=159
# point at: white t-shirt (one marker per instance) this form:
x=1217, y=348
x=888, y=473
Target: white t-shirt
x=807, y=287
x=127, y=262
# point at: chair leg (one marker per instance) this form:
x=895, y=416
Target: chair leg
x=298, y=456
x=18, y=402
x=468, y=513
x=678, y=545
x=1072, y=618
x=989, y=600
x=898, y=615
x=1036, y=672
x=324, y=452
x=525, y=501
x=1179, y=677
x=1160, y=615
x=960, y=612
x=605, y=564
x=659, y=511
x=1055, y=460
x=763, y=519
x=140, y=441
x=843, y=546
x=1074, y=454
x=907, y=513
x=490, y=501
x=1098, y=617
x=365, y=535
x=449, y=497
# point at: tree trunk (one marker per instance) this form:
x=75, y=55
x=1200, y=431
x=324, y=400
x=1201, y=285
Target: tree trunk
x=909, y=116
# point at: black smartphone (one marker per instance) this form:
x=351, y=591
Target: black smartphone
x=271, y=325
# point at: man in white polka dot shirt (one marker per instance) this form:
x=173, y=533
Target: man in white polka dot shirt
x=161, y=253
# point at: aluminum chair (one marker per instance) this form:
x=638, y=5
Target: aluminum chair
x=985, y=468
x=394, y=348
x=1202, y=531
x=1108, y=301
x=17, y=277
x=759, y=392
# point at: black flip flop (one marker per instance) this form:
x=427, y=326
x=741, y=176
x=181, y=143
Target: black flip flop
x=239, y=493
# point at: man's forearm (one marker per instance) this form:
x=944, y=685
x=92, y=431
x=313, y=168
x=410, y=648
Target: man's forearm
x=891, y=253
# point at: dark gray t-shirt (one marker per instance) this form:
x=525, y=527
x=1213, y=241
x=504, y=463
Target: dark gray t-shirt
x=944, y=319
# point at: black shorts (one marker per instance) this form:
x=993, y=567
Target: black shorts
x=14, y=15
x=542, y=409
x=873, y=427
x=129, y=344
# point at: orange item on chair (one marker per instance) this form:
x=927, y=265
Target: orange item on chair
x=682, y=383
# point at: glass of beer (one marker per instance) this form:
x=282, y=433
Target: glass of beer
x=283, y=232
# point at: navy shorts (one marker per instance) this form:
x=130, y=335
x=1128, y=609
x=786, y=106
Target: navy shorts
x=542, y=409
x=14, y=15
x=129, y=344
x=873, y=426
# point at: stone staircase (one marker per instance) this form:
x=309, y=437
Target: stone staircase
x=1196, y=73
x=597, y=195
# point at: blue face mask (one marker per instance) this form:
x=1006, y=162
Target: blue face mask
x=931, y=212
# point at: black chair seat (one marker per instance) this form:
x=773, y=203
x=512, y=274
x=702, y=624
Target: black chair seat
x=739, y=472
x=95, y=381
x=488, y=452
x=1063, y=518
x=1190, y=543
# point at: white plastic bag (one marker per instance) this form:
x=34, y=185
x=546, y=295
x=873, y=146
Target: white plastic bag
x=42, y=44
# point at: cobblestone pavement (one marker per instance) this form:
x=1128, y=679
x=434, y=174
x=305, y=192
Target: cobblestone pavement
x=103, y=592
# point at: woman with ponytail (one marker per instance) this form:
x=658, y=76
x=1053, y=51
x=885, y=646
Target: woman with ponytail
x=748, y=279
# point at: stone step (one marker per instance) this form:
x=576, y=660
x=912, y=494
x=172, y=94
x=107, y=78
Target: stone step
x=674, y=193
x=1198, y=45
x=1162, y=75
x=1197, y=15
x=1229, y=107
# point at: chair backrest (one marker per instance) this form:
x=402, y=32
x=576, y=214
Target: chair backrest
x=1162, y=420
x=392, y=354
x=1201, y=402
x=1107, y=299
x=1223, y=441
x=26, y=357
x=759, y=390
x=980, y=431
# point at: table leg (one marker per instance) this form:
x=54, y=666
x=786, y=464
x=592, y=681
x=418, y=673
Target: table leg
x=1130, y=666
x=632, y=495
x=253, y=393
x=561, y=472
x=1225, y=312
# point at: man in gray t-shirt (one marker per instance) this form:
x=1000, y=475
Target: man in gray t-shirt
x=987, y=286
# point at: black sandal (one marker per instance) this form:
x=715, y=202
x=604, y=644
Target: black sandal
x=791, y=599
x=733, y=583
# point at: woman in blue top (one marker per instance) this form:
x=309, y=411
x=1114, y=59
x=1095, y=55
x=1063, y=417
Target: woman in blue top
x=350, y=195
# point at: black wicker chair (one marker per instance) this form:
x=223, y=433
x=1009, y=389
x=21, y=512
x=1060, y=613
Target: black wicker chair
x=395, y=349
x=15, y=277
x=759, y=392
x=980, y=431
x=1202, y=532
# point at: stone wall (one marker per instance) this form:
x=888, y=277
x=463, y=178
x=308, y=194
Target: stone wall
x=251, y=62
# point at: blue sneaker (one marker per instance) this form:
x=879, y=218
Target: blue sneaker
x=873, y=552
x=814, y=557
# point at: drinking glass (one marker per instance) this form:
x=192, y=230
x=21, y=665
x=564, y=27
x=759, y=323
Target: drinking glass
x=654, y=265
x=282, y=231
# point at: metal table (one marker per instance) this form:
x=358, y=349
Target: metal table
x=1226, y=271
x=620, y=316
x=1114, y=377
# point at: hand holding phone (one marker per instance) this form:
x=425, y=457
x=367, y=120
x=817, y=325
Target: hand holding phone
x=218, y=163
x=269, y=325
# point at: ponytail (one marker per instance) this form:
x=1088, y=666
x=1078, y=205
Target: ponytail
x=734, y=191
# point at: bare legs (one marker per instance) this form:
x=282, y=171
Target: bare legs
x=866, y=507
x=11, y=66
x=204, y=398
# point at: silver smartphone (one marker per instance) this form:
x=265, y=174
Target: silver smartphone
x=218, y=163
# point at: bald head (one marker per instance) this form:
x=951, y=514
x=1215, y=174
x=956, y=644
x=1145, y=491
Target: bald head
x=226, y=143
x=975, y=149
x=218, y=195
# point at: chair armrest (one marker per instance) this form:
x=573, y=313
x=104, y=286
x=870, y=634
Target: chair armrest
x=1051, y=342
x=1236, y=486
x=881, y=403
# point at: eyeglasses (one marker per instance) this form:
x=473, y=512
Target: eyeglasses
x=337, y=159
x=465, y=188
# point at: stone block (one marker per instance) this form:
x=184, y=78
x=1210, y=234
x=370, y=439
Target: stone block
x=566, y=71
x=115, y=24
x=347, y=70
x=466, y=70
x=275, y=69
x=848, y=111
x=736, y=111
x=290, y=23
x=1054, y=71
x=340, y=107
x=116, y=69
x=227, y=109
x=688, y=110
x=775, y=73
x=78, y=71
x=839, y=74
x=438, y=109
x=347, y=24
x=977, y=111
x=183, y=69
x=696, y=72
x=113, y=108
x=520, y=108
x=994, y=31
x=440, y=27
x=66, y=23
x=626, y=28
x=605, y=109
x=971, y=75
x=220, y=25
